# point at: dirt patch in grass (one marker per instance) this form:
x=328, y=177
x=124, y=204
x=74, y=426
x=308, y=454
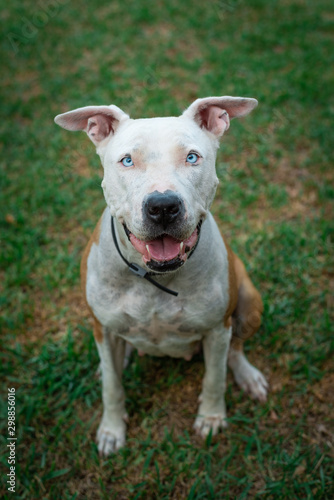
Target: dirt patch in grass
x=82, y=166
x=173, y=408
x=299, y=183
x=53, y=313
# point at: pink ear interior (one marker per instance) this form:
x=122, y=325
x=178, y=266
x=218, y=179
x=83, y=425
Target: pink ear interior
x=215, y=119
x=99, y=127
x=214, y=113
x=98, y=121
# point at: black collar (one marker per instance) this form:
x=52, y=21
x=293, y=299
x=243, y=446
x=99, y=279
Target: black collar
x=137, y=270
x=142, y=273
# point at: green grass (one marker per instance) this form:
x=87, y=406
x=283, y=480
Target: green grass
x=274, y=204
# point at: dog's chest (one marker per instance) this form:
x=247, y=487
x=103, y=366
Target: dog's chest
x=161, y=325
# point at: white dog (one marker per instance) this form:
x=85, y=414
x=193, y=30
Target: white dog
x=156, y=273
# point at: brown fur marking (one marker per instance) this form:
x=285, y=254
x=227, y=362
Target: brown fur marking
x=98, y=333
x=245, y=305
x=232, y=285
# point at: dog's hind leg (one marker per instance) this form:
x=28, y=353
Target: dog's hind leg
x=127, y=356
x=246, y=320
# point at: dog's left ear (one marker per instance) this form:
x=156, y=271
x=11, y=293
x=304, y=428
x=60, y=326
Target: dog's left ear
x=214, y=113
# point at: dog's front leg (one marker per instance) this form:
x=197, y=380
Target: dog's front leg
x=212, y=410
x=112, y=429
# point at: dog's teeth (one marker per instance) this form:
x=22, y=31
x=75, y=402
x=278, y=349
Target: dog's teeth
x=181, y=245
x=148, y=250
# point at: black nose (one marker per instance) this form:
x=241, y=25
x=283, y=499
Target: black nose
x=163, y=208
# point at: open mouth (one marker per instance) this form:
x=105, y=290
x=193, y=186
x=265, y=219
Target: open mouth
x=165, y=253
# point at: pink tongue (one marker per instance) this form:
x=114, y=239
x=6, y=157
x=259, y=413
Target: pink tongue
x=165, y=248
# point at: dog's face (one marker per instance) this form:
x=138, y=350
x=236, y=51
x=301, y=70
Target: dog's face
x=159, y=181
x=159, y=173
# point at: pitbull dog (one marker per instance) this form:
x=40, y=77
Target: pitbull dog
x=159, y=183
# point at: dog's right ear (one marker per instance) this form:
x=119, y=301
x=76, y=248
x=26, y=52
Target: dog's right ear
x=99, y=122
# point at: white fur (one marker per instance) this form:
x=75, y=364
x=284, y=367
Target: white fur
x=249, y=378
x=133, y=310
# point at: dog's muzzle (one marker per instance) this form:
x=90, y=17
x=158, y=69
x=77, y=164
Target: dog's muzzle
x=164, y=218
x=165, y=253
x=163, y=209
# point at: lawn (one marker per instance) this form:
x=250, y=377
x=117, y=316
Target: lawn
x=274, y=204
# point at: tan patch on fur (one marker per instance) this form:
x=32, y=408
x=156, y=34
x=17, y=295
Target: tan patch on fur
x=95, y=238
x=232, y=285
x=98, y=332
x=245, y=304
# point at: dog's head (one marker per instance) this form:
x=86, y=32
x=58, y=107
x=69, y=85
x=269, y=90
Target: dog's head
x=159, y=173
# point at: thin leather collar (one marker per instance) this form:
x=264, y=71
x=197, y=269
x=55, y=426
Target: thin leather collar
x=139, y=271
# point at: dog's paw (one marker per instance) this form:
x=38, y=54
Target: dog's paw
x=110, y=438
x=206, y=423
x=251, y=380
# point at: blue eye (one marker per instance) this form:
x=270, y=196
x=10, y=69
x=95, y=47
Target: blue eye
x=192, y=158
x=127, y=161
